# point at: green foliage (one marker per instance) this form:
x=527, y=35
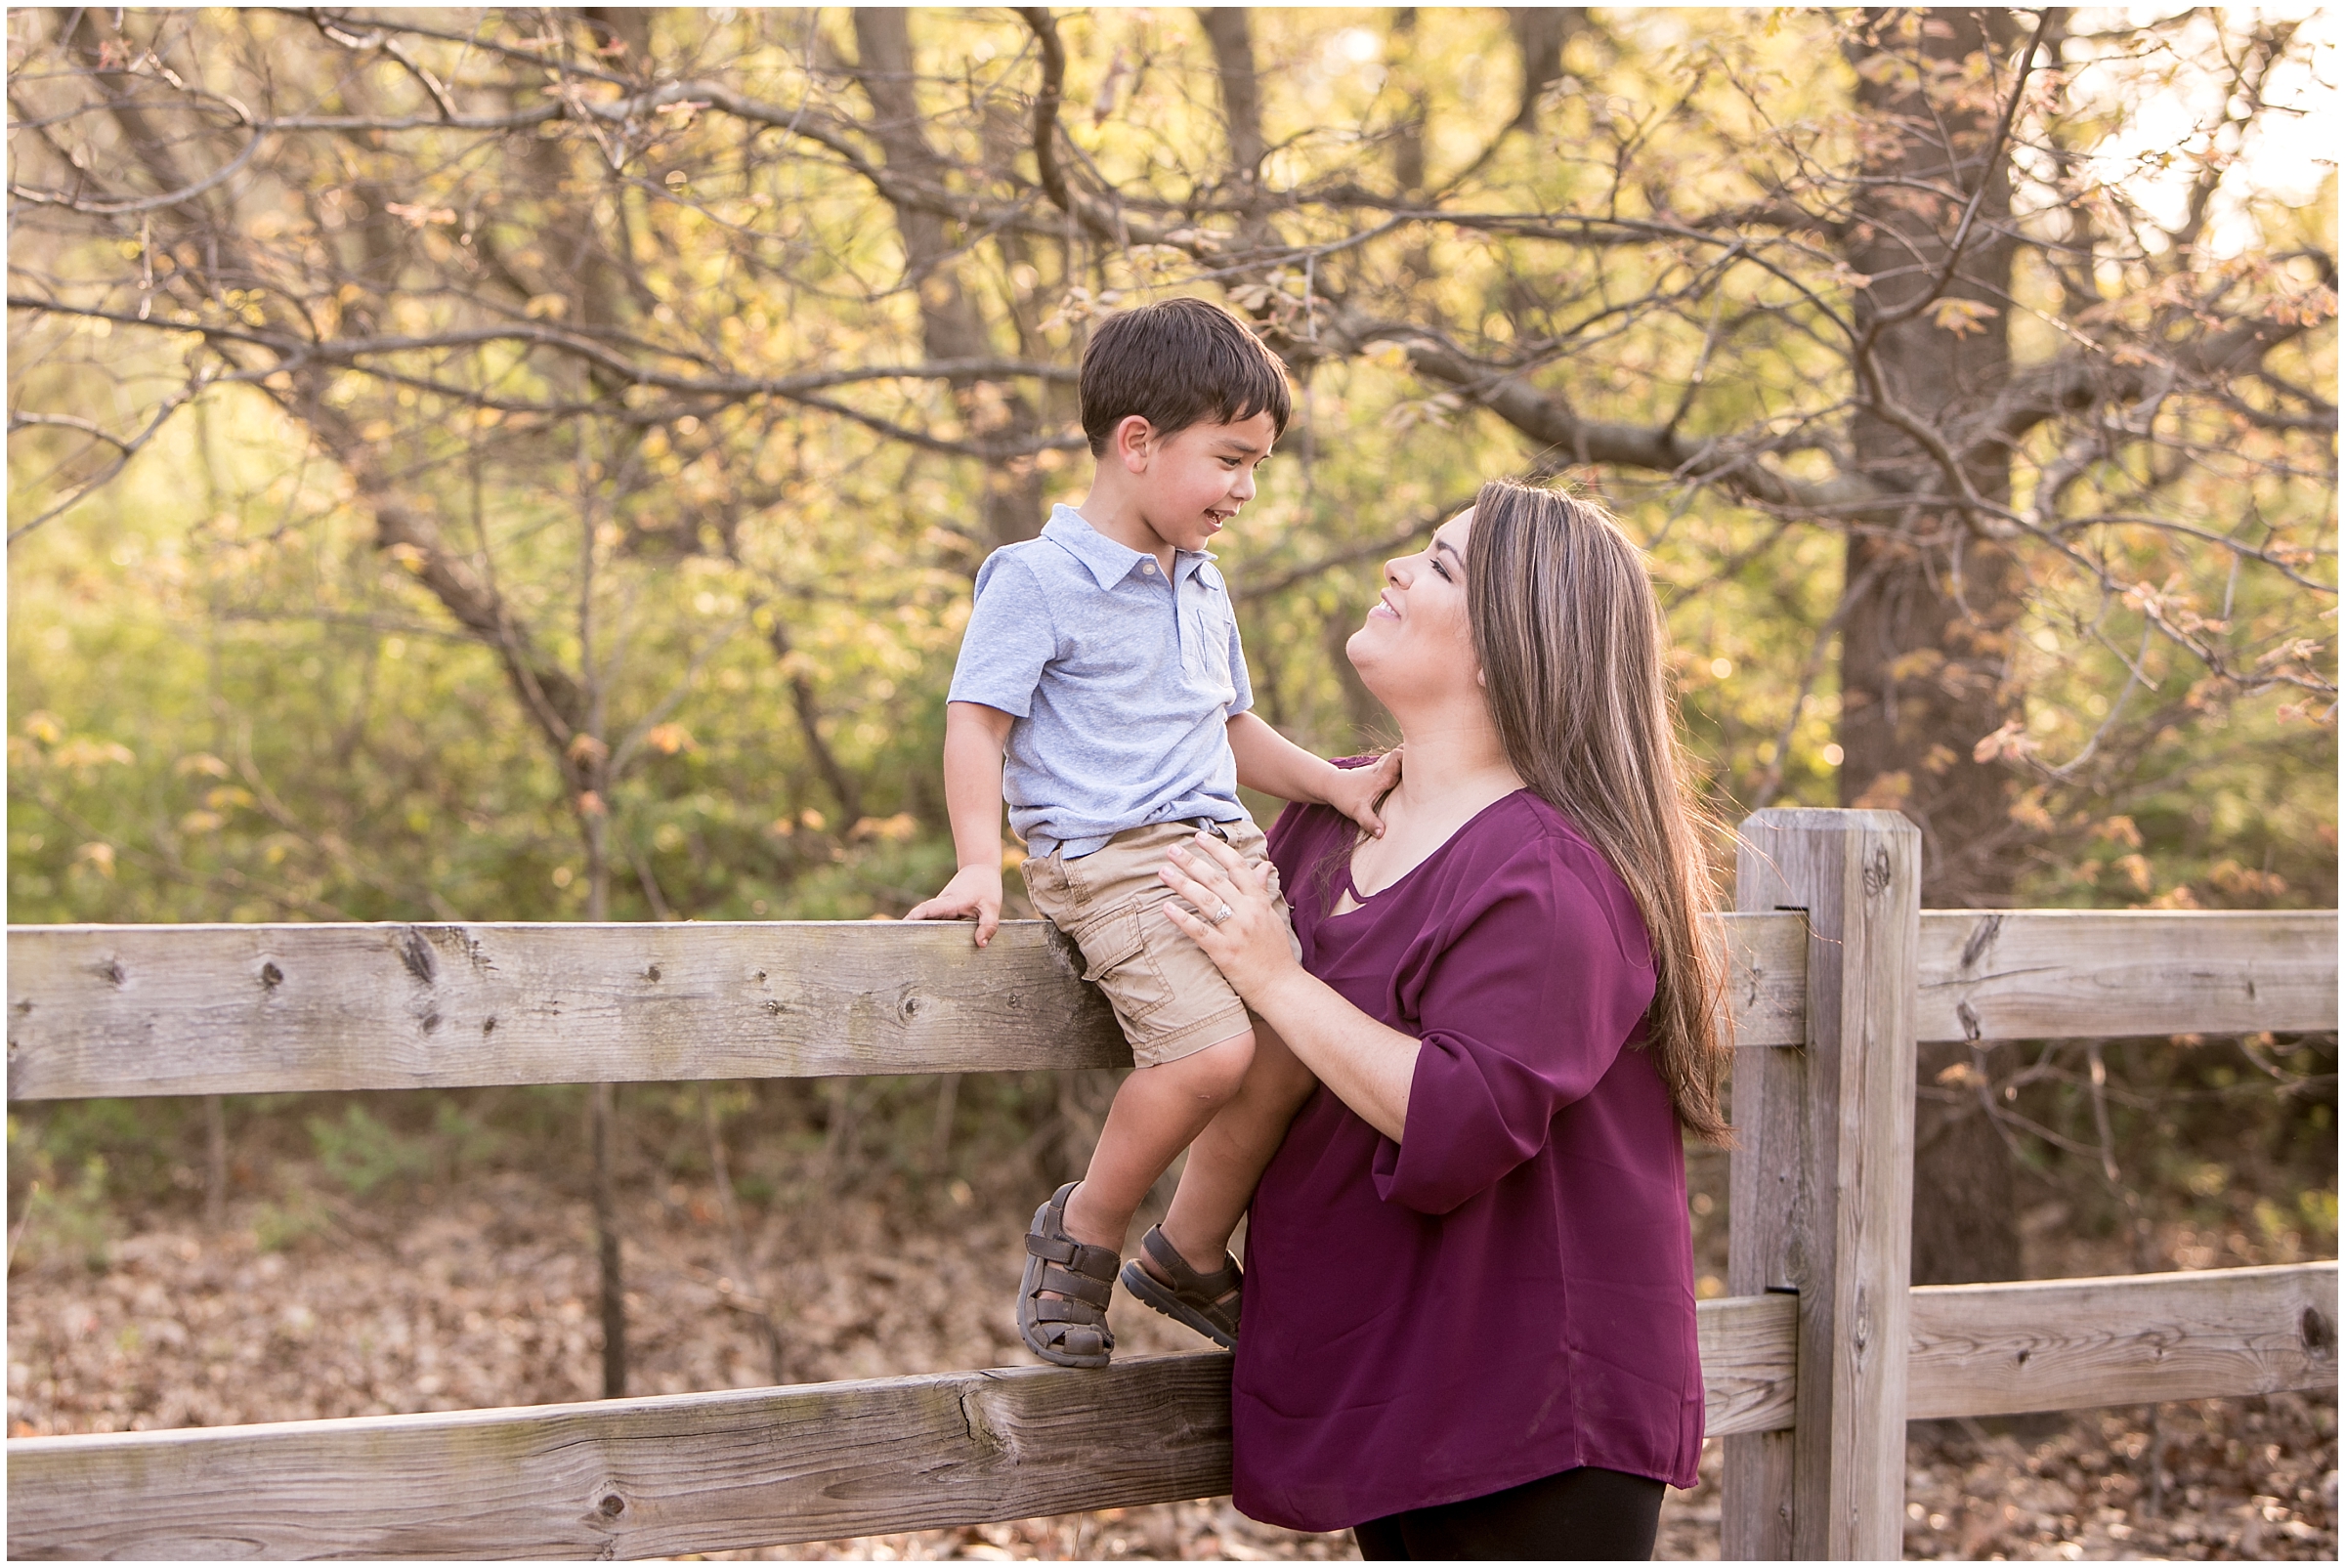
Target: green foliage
x=361, y=1154
x=60, y=1193
x=282, y=1224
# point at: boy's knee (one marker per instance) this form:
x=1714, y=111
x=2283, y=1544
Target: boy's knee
x=1214, y=1073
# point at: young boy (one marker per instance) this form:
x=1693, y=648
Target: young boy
x=1102, y=661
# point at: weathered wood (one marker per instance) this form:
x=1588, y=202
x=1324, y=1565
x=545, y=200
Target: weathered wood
x=2062, y=1344
x=103, y=1010
x=1820, y=1194
x=2055, y=974
x=701, y=1472
x=637, y=1477
x=211, y=1010
x=1749, y=1360
x=1767, y=976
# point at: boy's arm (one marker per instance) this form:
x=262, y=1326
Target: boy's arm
x=974, y=736
x=1276, y=766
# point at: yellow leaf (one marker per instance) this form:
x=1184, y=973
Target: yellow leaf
x=2010, y=743
x=83, y=752
x=1962, y=316
x=668, y=738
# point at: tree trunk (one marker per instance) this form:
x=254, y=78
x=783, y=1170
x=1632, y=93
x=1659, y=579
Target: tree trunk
x=1924, y=649
x=951, y=324
x=604, y=1113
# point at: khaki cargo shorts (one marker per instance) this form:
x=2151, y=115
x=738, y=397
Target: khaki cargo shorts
x=1169, y=997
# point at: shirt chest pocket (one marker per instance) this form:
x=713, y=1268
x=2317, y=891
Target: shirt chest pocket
x=1205, y=643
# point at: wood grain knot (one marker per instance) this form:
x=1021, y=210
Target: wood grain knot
x=271, y=976
x=2319, y=1334
x=110, y=970
x=415, y=953
x=652, y=973
x=614, y=1505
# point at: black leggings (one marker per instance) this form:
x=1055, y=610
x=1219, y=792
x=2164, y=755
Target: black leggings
x=1579, y=1515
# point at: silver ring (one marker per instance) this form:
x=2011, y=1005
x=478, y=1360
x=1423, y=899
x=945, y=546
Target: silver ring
x=1220, y=914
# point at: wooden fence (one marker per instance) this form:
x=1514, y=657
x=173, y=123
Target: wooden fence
x=1813, y=1363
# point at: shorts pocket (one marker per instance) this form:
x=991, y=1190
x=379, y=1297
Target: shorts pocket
x=1116, y=958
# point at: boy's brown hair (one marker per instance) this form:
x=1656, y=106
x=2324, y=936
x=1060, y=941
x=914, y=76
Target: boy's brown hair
x=1175, y=363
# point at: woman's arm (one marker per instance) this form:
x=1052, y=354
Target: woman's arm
x=1530, y=1003
x=1367, y=1065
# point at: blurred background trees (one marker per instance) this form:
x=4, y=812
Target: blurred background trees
x=530, y=464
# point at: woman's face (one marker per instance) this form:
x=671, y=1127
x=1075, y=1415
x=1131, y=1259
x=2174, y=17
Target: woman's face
x=1415, y=644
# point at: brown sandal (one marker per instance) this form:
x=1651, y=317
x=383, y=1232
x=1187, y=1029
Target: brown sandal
x=1206, y=1303
x=1071, y=1332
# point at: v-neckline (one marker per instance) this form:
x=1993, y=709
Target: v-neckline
x=1360, y=901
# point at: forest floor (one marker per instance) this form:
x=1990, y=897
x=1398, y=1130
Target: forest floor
x=483, y=1295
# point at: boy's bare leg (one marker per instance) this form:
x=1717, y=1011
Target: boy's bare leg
x=1158, y=1112
x=1229, y=1156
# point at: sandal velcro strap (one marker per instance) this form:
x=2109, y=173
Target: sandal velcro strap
x=1047, y=1310
x=1057, y=1248
x=1083, y=1288
x=1099, y=1262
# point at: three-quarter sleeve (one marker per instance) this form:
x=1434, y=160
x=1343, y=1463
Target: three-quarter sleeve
x=1008, y=639
x=1524, y=1005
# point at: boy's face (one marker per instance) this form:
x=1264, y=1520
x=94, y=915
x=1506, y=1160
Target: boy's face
x=1193, y=482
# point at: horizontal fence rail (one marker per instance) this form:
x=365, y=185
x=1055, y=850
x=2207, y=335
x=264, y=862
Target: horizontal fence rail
x=233, y=1009
x=132, y=1010
x=704, y=1472
x=708, y=1472
x=2067, y=1344
x=2059, y=974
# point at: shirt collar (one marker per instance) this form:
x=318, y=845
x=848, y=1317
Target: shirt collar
x=1108, y=562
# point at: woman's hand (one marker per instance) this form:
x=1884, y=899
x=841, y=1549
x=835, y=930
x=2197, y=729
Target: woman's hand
x=1248, y=944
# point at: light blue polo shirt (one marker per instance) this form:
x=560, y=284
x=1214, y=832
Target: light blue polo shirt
x=1122, y=685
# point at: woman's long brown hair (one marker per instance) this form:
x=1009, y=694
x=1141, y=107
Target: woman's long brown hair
x=1572, y=644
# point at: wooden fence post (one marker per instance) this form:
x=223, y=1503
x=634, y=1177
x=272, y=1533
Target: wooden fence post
x=1821, y=1190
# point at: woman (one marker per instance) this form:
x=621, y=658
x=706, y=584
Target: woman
x=1467, y=1328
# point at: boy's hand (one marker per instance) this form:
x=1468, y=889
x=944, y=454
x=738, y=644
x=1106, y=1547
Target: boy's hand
x=974, y=890
x=1356, y=790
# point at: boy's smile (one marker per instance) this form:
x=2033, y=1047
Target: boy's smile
x=1175, y=493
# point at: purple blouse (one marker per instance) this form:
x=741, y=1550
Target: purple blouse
x=1507, y=1292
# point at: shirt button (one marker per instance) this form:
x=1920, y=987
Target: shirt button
x=1147, y=565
